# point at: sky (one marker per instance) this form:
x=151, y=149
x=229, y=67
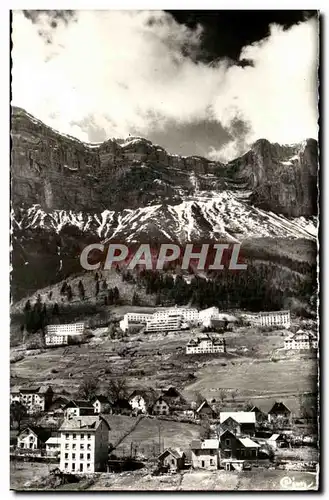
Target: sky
x=206, y=83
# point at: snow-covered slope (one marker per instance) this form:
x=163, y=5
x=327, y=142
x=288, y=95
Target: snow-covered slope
x=208, y=215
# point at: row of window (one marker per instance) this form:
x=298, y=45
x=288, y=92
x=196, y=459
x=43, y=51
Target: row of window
x=82, y=436
x=81, y=468
x=82, y=456
x=82, y=446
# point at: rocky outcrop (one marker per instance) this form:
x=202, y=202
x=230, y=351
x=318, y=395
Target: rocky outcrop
x=283, y=178
x=59, y=172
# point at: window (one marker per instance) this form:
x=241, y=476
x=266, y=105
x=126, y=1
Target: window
x=88, y=446
x=81, y=467
x=66, y=455
x=82, y=436
x=227, y=442
x=173, y=462
x=211, y=461
x=67, y=446
x=202, y=463
x=82, y=446
x=89, y=436
x=74, y=436
x=66, y=465
x=88, y=466
x=67, y=436
x=88, y=456
x=81, y=456
x=73, y=467
x=73, y=456
x=74, y=446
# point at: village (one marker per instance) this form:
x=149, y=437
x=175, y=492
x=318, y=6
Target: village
x=78, y=436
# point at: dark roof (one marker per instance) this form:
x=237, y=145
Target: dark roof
x=174, y=452
x=42, y=433
x=122, y=403
x=171, y=392
x=279, y=406
x=78, y=403
x=101, y=399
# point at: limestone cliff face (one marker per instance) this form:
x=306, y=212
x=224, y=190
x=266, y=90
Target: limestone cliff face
x=60, y=172
x=283, y=178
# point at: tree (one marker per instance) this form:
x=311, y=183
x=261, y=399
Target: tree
x=117, y=389
x=69, y=293
x=234, y=394
x=81, y=290
x=96, y=277
x=112, y=331
x=135, y=299
x=116, y=295
x=55, y=310
x=63, y=288
x=50, y=294
x=222, y=395
x=17, y=412
x=104, y=285
x=205, y=430
x=88, y=388
x=198, y=398
x=97, y=288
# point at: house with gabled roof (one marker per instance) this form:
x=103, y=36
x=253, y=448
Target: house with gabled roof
x=35, y=398
x=33, y=438
x=142, y=400
x=238, y=422
x=205, y=344
x=205, y=454
x=172, y=459
x=279, y=413
x=205, y=411
x=78, y=408
x=234, y=447
x=102, y=404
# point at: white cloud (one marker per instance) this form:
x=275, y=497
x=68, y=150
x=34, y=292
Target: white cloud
x=120, y=72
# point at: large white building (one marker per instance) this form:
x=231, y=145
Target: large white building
x=173, y=318
x=205, y=344
x=66, y=329
x=274, y=318
x=57, y=335
x=84, y=444
x=133, y=318
x=35, y=399
x=301, y=340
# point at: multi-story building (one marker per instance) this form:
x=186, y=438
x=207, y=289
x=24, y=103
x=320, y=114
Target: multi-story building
x=205, y=344
x=84, y=444
x=238, y=422
x=173, y=318
x=56, y=340
x=274, y=318
x=66, y=329
x=301, y=340
x=206, y=315
x=132, y=318
x=161, y=406
x=171, y=321
x=35, y=399
x=102, y=404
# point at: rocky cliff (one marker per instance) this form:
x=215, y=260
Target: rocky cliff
x=66, y=194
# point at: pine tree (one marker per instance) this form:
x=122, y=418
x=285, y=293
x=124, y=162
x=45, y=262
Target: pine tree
x=81, y=290
x=104, y=285
x=97, y=288
x=63, y=288
x=69, y=293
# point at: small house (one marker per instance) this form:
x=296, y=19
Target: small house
x=142, y=400
x=101, y=404
x=172, y=459
x=32, y=438
x=205, y=411
x=239, y=422
x=237, y=447
x=53, y=445
x=205, y=454
x=78, y=408
x=161, y=406
x=279, y=413
x=277, y=441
